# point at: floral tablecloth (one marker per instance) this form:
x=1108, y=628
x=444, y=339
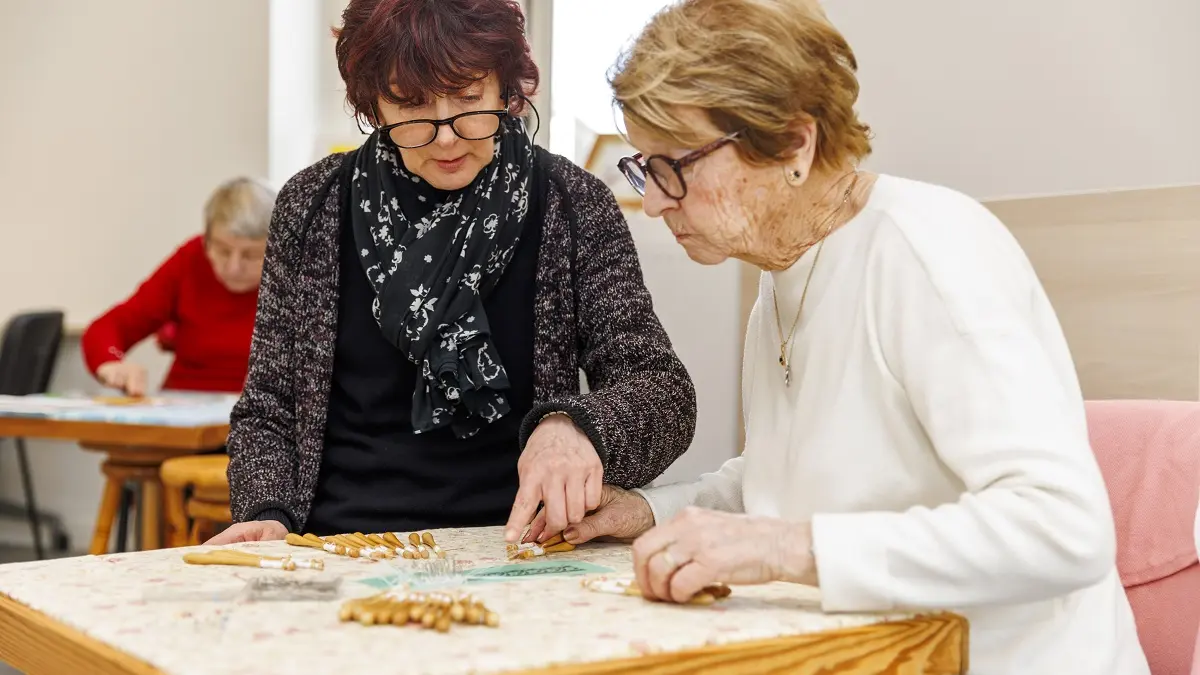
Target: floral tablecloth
x=191, y=620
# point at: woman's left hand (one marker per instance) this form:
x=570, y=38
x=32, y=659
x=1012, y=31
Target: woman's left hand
x=560, y=469
x=674, y=562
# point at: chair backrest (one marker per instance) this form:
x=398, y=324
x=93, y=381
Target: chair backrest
x=29, y=351
x=1149, y=453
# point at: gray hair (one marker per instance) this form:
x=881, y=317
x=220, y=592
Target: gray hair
x=242, y=206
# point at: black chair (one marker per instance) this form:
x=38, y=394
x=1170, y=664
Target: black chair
x=28, y=353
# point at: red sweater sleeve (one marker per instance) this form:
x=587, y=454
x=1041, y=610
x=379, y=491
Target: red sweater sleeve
x=151, y=306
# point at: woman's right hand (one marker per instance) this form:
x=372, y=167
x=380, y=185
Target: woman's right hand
x=254, y=530
x=128, y=377
x=621, y=515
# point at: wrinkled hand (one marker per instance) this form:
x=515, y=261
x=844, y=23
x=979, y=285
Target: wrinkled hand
x=128, y=377
x=621, y=515
x=701, y=547
x=559, y=469
x=254, y=530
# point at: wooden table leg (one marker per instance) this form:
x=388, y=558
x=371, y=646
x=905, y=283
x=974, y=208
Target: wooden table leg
x=110, y=501
x=151, y=515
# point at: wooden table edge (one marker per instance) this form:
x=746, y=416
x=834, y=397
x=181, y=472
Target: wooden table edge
x=719, y=656
x=99, y=433
x=52, y=647
x=44, y=635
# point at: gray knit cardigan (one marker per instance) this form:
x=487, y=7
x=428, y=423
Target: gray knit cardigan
x=592, y=312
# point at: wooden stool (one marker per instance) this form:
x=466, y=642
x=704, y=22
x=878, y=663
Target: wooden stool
x=208, y=504
x=117, y=474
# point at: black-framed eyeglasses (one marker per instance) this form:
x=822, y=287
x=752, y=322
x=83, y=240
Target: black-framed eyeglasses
x=667, y=172
x=475, y=125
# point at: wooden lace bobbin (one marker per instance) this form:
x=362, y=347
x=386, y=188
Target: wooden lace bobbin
x=427, y=539
x=326, y=546
x=707, y=596
x=531, y=550
x=340, y=546
x=358, y=540
x=365, y=548
x=393, y=541
x=389, y=608
x=239, y=559
x=381, y=613
x=315, y=564
x=415, y=540
x=353, y=549
x=478, y=614
x=380, y=609
x=382, y=544
x=402, y=548
x=377, y=544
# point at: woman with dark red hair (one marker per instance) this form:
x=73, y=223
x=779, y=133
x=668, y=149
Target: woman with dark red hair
x=429, y=299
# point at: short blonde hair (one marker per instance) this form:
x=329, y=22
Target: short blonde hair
x=243, y=206
x=756, y=66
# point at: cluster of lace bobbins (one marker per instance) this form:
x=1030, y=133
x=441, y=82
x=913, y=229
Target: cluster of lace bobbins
x=435, y=611
x=373, y=546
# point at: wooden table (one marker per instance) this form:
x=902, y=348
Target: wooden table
x=133, y=453
x=119, y=614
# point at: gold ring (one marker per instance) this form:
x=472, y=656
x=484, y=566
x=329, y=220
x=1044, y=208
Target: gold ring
x=671, y=564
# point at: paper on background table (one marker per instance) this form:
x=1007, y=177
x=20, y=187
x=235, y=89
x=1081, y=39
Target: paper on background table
x=169, y=409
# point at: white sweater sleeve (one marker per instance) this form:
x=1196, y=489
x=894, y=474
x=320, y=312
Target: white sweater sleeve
x=974, y=346
x=719, y=491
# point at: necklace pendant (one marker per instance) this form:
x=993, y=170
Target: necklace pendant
x=787, y=376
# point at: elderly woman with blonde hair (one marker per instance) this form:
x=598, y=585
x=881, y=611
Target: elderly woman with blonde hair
x=915, y=432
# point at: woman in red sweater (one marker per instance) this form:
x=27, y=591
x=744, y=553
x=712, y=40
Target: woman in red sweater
x=201, y=302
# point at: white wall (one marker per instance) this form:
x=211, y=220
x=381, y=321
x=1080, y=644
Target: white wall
x=1030, y=97
x=117, y=119
x=296, y=31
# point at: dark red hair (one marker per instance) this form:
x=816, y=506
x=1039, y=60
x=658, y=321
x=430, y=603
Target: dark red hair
x=406, y=50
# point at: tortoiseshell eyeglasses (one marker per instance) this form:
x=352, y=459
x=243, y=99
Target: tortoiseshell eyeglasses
x=667, y=172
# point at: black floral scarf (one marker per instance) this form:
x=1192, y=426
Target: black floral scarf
x=431, y=266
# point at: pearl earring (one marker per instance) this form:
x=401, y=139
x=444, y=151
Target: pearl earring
x=793, y=177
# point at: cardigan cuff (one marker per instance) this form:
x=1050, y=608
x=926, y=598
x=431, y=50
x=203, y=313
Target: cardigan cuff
x=578, y=414
x=276, y=512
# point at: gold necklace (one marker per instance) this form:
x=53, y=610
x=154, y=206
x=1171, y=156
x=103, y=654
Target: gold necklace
x=786, y=344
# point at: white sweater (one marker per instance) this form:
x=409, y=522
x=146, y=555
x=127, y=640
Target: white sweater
x=934, y=434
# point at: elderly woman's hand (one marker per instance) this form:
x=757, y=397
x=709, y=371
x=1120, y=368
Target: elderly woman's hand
x=560, y=469
x=698, y=547
x=128, y=377
x=621, y=515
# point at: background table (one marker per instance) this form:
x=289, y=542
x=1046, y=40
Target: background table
x=135, y=438
x=121, y=614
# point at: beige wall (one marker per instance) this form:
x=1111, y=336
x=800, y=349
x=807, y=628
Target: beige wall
x=116, y=121
x=1030, y=97
x=1121, y=270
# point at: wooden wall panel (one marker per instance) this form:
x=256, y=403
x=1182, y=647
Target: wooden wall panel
x=1123, y=272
